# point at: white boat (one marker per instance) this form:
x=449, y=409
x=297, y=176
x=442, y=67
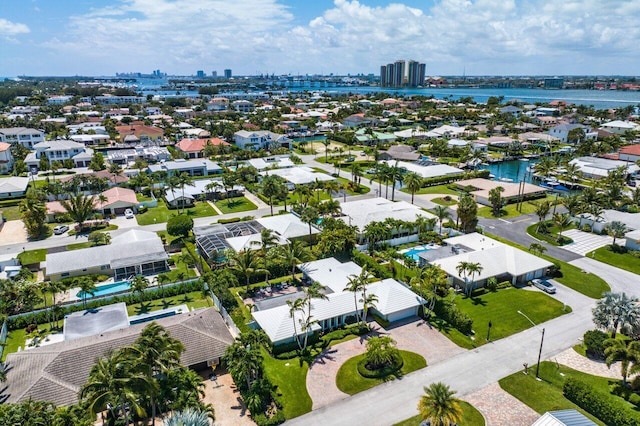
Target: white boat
x=505, y=180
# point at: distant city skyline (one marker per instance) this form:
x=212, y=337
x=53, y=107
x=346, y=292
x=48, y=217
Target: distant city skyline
x=180, y=37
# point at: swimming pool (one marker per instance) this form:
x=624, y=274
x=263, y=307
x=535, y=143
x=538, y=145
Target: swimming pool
x=413, y=252
x=105, y=289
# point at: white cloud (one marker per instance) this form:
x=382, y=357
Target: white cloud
x=8, y=28
x=485, y=36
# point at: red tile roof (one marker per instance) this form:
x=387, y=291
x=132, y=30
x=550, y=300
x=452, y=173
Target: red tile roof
x=197, y=145
x=139, y=130
x=630, y=149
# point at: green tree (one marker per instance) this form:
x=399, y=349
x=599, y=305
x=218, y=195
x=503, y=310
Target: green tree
x=293, y=254
x=79, y=208
x=441, y=213
x=34, y=213
x=183, y=179
x=467, y=271
x=562, y=221
x=245, y=363
x=467, y=213
x=616, y=230
x=356, y=284
x=87, y=287
x=375, y=232
x=271, y=187
x=161, y=280
x=296, y=310
x=537, y=248
x=188, y=417
x=113, y=385
x=180, y=225
x=542, y=210
x=246, y=263
x=313, y=291
x=413, y=182
x=381, y=352
x=439, y=405
x=616, y=311
x=97, y=162
x=496, y=200
x=43, y=164
x=627, y=352
x=310, y=216
x=139, y=284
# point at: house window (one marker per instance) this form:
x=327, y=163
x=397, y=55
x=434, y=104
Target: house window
x=64, y=274
x=103, y=267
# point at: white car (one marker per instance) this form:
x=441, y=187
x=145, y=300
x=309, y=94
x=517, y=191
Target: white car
x=543, y=285
x=60, y=229
x=128, y=213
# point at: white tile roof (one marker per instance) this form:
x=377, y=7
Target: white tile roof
x=330, y=272
x=13, y=184
x=298, y=175
x=287, y=225
x=434, y=170
x=360, y=213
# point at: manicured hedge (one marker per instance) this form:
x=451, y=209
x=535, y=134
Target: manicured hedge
x=374, y=267
x=291, y=350
x=449, y=312
x=605, y=407
x=397, y=364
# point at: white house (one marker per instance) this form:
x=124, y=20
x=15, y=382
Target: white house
x=426, y=169
x=13, y=186
x=199, y=167
x=300, y=175
x=395, y=302
x=561, y=132
x=59, y=150
x=620, y=127
x=260, y=139
x=597, y=168
x=6, y=159
x=22, y=135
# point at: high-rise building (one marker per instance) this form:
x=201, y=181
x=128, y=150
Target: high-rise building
x=214, y=74
x=200, y=74
x=227, y=73
x=402, y=73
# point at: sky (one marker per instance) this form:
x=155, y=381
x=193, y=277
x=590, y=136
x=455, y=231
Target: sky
x=475, y=37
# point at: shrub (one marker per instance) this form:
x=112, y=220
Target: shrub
x=503, y=285
x=618, y=249
x=390, y=368
x=229, y=220
x=586, y=228
x=179, y=225
x=594, y=343
x=374, y=267
x=605, y=407
x=492, y=284
x=447, y=311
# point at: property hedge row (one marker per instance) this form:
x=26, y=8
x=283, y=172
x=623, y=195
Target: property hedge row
x=605, y=407
x=374, y=267
x=291, y=350
x=42, y=317
x=449, y=312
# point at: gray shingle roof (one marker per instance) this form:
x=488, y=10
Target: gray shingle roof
x=56, y=372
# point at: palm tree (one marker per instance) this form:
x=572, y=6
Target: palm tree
x=161, y=280
x=331, y=187
x=293, y=254
x=542, y=210
x=245, y=262
x=87, y=286
x=368, y=301
x=439, y=405
x=616, y=311
x=616, y=230
x=374, y=232
x=304, y=192
x=156, y=352
x=562, y=221
x=356, y=173
x=413, y=182
x=537, y=248
x=330, y=207
x=114, y=384
x=356, y=284
x=314, y=291
x=79, y=207
x=468, y=269
x=396, y=176
x=271, y=187
x=441, y=213
x=244, y=361
x=268, y=239
x=139, y=284
x=296, y=306
x=309, y=215
x=184, y=179
x=625, y=351
x=572, y=203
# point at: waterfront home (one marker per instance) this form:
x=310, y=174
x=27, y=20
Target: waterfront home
x=400, y=152
x=194, y=148
x=426, y=169
x=260, y=139
x=22, y=135
x=597, y=168
x=620, y=127
x=561, y=132
x=199, y=167
x=512, y=191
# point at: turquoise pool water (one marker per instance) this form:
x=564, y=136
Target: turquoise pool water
x=105, y=289
x=415, y=251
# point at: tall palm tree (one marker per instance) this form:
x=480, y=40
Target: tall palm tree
x=139, y=284
x=293, y=254
x=356, y=173
x=156, y=352
x=296, y=307
x=355, y=285
x=314, y=291
x=304, y=192
x=374, y=232
x=245, y=362
x=184, y=179
x=542, y=210
x=466, y=270
x=625, y=351
x=161, y=280
x=396, y=176
x=413, y=182
x=332, y=187
x=246, y=262
x=562, y=221
x=79, y=207
x=87, y=286
x=439, y=405
x=309, y=215
x=441, y=213
x=114, y=384
x=268, y=239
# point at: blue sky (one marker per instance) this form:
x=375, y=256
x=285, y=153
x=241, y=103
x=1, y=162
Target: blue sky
x=482, y=37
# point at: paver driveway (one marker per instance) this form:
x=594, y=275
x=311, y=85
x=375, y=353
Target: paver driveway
x=413, y=335
x=584, y=242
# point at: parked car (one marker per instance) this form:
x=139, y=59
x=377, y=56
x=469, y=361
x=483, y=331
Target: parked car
x=128, y=213
x=543, y=285
x=60, y=229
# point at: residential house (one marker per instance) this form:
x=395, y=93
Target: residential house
x=545, y=121
x=564, y=418
x=133, y=253
x=218, y=105
x=260, y=139
x=359, y=120
x=299, y=175
x=199, y=167
x=243, y=106
x=194, y=148
x=620, y=127
x=502, y=261
x=56, y=372
x=13, y=186
x=394, y=302
x=629, y=153
x=374, y=138
x=22, y=135
x=59, y=150
x=6, y=159
x=400, y=152
x=140, y=133
x=510, y=110
x=128, y=156
x=597, y=168
x=426, y=169
x=275, y=162
x=561, y=132
x=511, y=191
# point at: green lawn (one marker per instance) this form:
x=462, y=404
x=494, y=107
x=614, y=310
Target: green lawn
x=17, y=339
x=351, y=382
x=161, y=213
x=470, y=417
x=110, y=227
x=11, y=213
x=509, y=211
x=180, y=267
x=289, y=376
x=235, y=205
x=78, y=246
x=437, y=189
x=501, y=308
x=546, y=395
x=32, y=256
x=553, y=234
x=194, y=300
x=626, y=261
x=583, y=282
